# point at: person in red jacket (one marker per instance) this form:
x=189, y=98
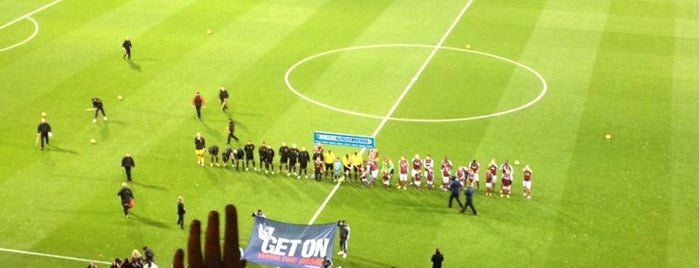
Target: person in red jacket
x=198, y=102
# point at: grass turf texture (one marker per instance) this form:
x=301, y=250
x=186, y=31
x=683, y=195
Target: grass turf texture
x=626, y=68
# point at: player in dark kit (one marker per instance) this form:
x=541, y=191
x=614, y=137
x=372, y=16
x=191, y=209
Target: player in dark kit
x=198, y=102
x=127, y=164
x=127, y=48
x=249, y=155
x=99, y=107
x=238, y=154
x=231, y=131
x=213, y=152
x=304, y=158
x=269, y=159
x=44, y=132
x=293, y=158
x=223, y=96
x=262, y=153
x=226, y=156
x=283, y=158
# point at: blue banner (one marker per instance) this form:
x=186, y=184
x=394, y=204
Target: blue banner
x=344, y=139
x=290, y=245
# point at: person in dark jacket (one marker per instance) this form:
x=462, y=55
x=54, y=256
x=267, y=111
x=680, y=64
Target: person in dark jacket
x=223, y=96
x=180, y=212
x=198, y=103
x=469, y=200
x=44, y=132
x=126, y=196
x=127, y=164
x=98, y=106
x=231, y=131
x=455, y=188
x=437, y=259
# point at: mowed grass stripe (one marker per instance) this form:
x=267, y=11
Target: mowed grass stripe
x=616, y=102
x=681, y=224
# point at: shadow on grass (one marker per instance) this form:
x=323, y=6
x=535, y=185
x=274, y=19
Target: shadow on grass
x=147, y=221
x=55, y=148
x=133, y=65
x=149, y=186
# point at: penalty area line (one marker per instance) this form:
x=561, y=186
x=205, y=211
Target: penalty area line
x=30, y=14
x=50, y=255
x=400, y=99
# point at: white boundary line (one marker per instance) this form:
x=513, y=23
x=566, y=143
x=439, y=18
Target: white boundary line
x=30, y=13
x=36, y=31
x=51, y=256
x=397, y=102
x=27, y=16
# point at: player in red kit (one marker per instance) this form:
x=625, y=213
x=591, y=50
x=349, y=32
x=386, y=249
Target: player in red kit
x=471, y=178
x=475, y=167
x=527, y=182
x=489, y=183
x=506, y=167
x=428, y=163
x=493, y=169
x=506, y=184
x=417, y=167
x=461, y=174
x=402, y=173
x=446, y=173
x=429, y=176
x=373, y=173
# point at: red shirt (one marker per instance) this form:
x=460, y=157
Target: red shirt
x=475, y=166
x=403, y=166
x=527, y=175
x=493, y=169
x=417, y=163
x=489, y=177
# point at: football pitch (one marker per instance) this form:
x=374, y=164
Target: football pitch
x=536, y=81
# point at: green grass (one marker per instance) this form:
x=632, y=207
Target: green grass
x=625, y=68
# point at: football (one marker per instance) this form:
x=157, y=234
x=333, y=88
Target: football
x=606, y=137
x=120, y=97
x=93, y=141
x=43, y=114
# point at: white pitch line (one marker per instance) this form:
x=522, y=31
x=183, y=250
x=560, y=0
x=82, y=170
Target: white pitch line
x=51, y=256
x=400, y=99
x=36, y=31
x=30, y=13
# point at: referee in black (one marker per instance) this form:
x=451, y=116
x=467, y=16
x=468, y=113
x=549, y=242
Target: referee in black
x=43, y=131
x=127, y=48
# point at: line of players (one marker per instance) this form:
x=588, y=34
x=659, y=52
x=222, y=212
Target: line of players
x=354, y=168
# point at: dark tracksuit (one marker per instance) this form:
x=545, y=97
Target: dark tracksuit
x=223, y=96
x=127, y=48
x=43, y=129
x=304, y=158
x=469, y=200
x=99, y=107
x=249, y=155
x=128, y=163
x=126, y=196
x=213, y=152
x=231, y=131
x=455, y=191
x=180, y=214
